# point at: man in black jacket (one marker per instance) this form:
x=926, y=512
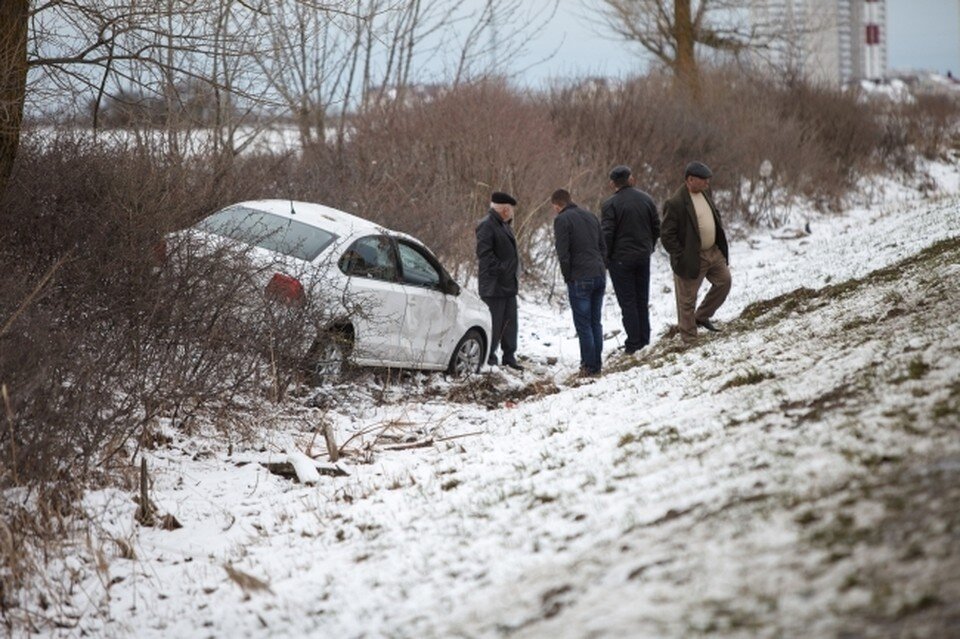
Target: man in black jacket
x=630, y=229
x=580, y=251
x=498, y=276
x=693, y=236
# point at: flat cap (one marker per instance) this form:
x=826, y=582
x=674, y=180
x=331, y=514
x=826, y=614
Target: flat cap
x=698, y=169
x=620, y=172
x=499, y=197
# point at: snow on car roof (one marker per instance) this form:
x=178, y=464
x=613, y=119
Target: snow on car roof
x=336, y=221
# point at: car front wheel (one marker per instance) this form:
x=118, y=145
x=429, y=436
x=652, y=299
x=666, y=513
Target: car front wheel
x=468, y=355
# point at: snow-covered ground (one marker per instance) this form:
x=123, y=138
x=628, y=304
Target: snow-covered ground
x=797, y=475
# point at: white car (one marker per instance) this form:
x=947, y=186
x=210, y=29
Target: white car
x=390, y=301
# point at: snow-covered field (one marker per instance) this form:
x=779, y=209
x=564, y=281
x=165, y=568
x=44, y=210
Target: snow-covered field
x=797, y=475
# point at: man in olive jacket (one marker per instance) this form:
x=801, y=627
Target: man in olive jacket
x=692, y=233
x=499, y=276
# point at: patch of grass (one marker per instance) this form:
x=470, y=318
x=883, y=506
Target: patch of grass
x=667, y=437
x=492, y=391
x=627, y=439
x=925, y=602
x=782, y=304
x=917, y=368
x=840, y=536
x=752, y=376
x=816, y=408
x=875, y=461
x=727, y=616
x=914, y=552
x=943, y=409
x=893, y=298
x=450, y=484
x=556, y=430
x=803, y=299
x=851, y=581
x=856, y=323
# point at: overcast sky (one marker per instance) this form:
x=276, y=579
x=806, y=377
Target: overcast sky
x=921, y=34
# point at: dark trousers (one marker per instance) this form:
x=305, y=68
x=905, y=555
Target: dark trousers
x=586, y=302
x=503, y=314
x=631, y=283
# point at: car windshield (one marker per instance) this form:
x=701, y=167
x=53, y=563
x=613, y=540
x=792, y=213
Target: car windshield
x=268, y=231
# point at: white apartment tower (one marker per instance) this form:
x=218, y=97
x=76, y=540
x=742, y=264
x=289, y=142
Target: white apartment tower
x=830, y=41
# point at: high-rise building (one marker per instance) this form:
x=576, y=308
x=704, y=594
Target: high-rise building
x=830, y=41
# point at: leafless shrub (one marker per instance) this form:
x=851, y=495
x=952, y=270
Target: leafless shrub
x=815, y=141
x=98, y=337
x=930, y=126
x=844, y=131
x=429, y=169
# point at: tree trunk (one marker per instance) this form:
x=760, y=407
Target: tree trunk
x=685, y=65
x=13, y=81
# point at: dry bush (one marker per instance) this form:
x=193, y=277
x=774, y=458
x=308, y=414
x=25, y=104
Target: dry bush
x=932, y=125
x=817, y=141
x=638, y=124
x=845, y=130
x=428, y=169
x=97, y=337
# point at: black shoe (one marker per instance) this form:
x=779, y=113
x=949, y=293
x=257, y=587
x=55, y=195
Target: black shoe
x=513, y=364
x=492, y=362
x=710, y=326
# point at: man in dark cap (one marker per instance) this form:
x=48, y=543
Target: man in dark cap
x=630, y=229
x=580, y=251
x=498, y=276
x=693, y=236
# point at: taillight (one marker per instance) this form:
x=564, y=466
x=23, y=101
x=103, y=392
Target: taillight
x=285, y=288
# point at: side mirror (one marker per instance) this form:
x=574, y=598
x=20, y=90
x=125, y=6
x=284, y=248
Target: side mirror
x=451, y=288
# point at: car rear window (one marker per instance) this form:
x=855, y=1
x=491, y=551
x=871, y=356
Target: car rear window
x=268, y=231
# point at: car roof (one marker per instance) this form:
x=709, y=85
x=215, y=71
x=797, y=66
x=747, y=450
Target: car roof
x=338, y=222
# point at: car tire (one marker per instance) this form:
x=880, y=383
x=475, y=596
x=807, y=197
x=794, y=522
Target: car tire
x=329, y=357
x=468, y=355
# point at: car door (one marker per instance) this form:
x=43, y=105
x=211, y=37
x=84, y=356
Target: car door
x=427, y=331
x=375, y=300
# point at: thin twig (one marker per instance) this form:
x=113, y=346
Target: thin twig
x=36, y=291
x=13, y=440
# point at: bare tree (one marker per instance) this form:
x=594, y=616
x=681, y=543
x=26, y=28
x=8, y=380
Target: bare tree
x=673, y=30
x=13, y=80
x=325, y=64
x=236, y=62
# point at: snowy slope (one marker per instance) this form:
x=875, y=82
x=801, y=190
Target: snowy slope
x=795, y=476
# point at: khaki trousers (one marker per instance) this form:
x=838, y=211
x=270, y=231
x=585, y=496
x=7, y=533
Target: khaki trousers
x=714, y=268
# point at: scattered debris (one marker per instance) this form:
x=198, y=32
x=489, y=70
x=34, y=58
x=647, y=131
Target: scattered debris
x=246, y=581
x=286, y=470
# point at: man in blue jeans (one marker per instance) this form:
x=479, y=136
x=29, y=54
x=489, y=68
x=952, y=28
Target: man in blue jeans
x=580, y=251
x=631, y=228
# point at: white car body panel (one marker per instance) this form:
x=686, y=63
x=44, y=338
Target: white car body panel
x=401, y=324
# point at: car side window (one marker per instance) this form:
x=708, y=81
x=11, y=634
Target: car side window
x=417, y=269
x=372, y=257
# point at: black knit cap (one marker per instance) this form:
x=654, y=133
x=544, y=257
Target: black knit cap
x=499, y=197
x=620, y=172
x=698, y=169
